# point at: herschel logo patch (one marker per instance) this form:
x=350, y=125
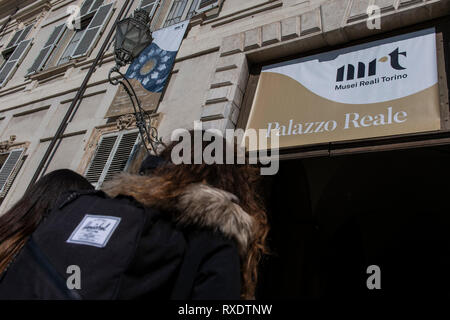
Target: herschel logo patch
x=94, y=230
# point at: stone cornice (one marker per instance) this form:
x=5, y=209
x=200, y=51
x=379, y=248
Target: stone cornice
x=334, y=22
x=26, y=13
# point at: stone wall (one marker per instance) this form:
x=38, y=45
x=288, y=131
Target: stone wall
x=331, y=23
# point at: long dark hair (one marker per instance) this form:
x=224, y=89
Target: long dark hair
x=170, y=180
x=242, y=180
x=18, y=223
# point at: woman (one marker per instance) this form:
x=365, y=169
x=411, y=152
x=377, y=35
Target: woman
x=217, y=197
x=18, y=223
x=181, y=232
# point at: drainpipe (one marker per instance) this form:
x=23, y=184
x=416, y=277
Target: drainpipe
x=71, y=111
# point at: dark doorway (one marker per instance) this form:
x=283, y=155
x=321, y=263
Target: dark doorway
x=332, y=218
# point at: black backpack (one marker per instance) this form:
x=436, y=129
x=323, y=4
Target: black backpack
x=122, y=250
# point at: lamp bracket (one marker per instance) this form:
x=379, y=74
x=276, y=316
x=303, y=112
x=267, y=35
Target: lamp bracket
x=149, y=134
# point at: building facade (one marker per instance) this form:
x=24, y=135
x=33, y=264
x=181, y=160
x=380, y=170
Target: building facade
x=43, y=63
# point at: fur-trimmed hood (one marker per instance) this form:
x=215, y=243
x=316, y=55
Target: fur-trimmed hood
x=197, y=205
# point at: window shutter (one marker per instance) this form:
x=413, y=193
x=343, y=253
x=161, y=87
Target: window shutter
x=85, y=7
x=13, y=61
x=12, y=177
x=19, y=36
x=97, y=4
x=24, y=34
x=94, y=29
x=100, y=159
x=112, y=156
x=206, y=5
x=9, y=167
x=13, y=41
x=47, y=50
x=122, y=155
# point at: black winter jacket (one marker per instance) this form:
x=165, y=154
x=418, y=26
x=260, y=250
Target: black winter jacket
x=125, y=250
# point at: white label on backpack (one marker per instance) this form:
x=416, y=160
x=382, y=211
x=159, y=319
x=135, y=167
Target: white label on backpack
x=94, y=230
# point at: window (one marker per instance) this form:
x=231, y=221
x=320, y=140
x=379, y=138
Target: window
x=192, y=9
x=2, y=61
x=5, y=57
x=10, y=165
x=95, y=27
x=14, y=61
x=13, y=54
x=48, y=49
x=176, y=12
x=18, y=37
x=64, y=44
x=72, y=45
x=205, y=5
x=90, y=6
x=113, y=155
x=149, y=6
x=185, y=9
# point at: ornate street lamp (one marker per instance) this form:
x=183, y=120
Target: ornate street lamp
x=133, y=35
